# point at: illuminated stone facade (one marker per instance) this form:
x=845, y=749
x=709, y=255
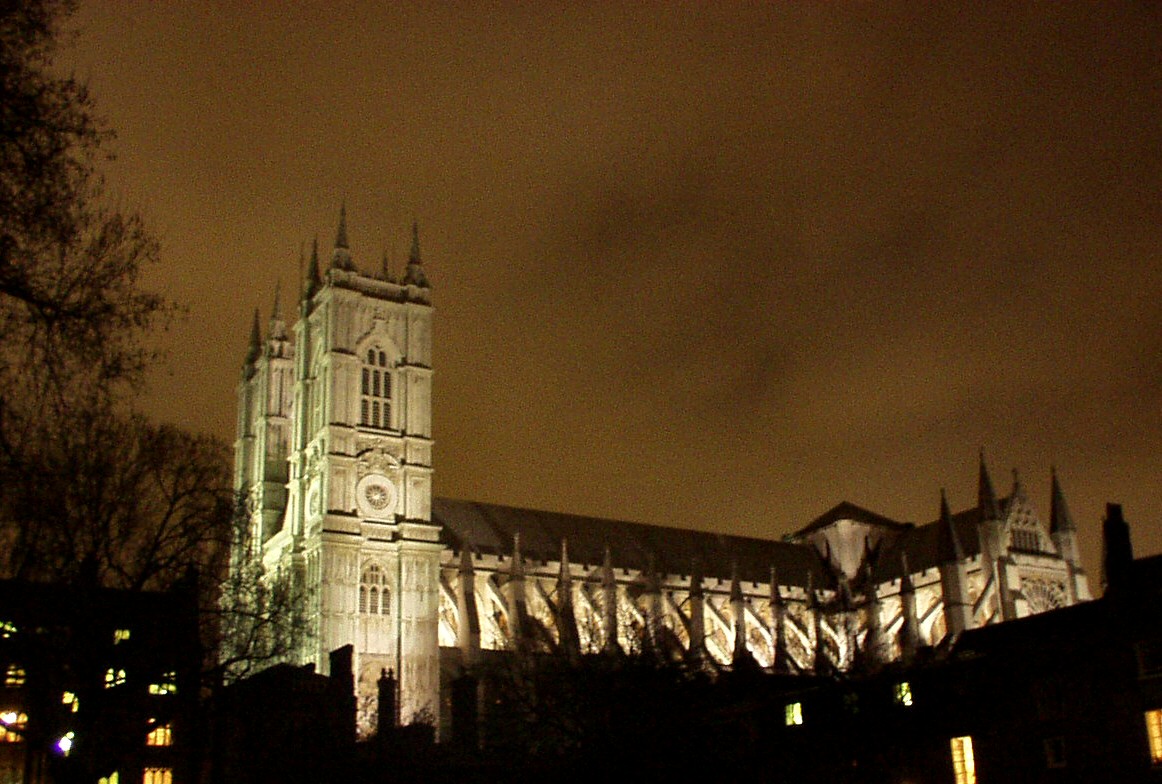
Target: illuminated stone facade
x=334, y=455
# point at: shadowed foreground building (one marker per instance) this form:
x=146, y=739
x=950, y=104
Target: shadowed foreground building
x=99, y=685
x=334, y=453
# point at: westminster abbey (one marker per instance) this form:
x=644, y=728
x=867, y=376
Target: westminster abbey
x=334, y=455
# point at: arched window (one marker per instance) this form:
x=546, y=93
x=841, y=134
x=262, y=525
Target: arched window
x=374, y=596
x=375, y=387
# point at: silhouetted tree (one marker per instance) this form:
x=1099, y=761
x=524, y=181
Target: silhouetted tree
x=91, y=492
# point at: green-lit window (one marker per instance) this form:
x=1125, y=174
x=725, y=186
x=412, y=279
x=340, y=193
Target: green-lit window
x=903, y=693
x=793, y=714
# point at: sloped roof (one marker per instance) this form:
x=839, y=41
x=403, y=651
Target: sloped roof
x=845, y=510
x=489, y=528
x=922, y=544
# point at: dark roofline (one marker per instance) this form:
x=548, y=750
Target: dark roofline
x=487, y=528
x=845, y=510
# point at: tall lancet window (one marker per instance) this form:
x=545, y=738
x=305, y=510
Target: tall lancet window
x=375, y=403
x=374, y=598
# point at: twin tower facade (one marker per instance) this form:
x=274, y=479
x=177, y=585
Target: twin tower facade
x=334, y=459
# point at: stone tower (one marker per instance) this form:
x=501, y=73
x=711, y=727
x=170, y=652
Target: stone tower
x=343, y=422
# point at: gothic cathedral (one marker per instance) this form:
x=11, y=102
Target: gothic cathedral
x=335, y=456
x=334, y=459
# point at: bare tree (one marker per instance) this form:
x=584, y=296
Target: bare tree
x=92, y=493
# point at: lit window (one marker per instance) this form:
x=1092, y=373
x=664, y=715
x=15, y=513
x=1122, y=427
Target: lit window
x=963, y=763
x=7, y=629
x=374, y=598
x=1154, y=732
x=375, y=407
x=160, y=736
x=120, y=635
x=12, y=726
x=158, y=776
x=112, y=778
x=794, y=714
x=65, y=744
x=70, y=699
x=167, y=684
x=114, y=678
x=904, y=694
x=14, y=676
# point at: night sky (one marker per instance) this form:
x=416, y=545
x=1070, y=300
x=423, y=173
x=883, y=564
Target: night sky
x=716, y=265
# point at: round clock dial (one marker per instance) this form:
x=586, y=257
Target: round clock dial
x=375, y=496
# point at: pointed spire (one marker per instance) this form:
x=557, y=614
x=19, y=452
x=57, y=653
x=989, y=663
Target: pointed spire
x=1117, y=551
x=566, y=573
x=517, y=567
x=255, y=348
x=948, y=547
x=277, y=325
x=274, y=311
x=986, y=497
x=414, y=276
x=906, y=576
x=385, y=269
x=341, y=258
x=469, y=632
x=738, y=611
x=313, y=280
x=609, y=603
x=697, y=625
x=341, y=234
x=1059, y=517
x=566, y=620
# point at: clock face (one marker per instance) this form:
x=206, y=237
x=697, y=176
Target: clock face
x=375, y=496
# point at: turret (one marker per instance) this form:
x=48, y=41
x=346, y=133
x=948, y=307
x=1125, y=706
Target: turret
x=874, y=641
x=953, y=573
x=516, y=597
x=697, y=629
x=341, y=256
x=466, y=601
x=609, y=604
x=414, y=275
x=738, y=618
x=910, y=640
x=254, y=349
x=313, y=280
x=783, y=662
x=566, y=619
x=1117, y=551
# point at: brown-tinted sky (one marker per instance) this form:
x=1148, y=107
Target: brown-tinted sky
x=713, y=265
